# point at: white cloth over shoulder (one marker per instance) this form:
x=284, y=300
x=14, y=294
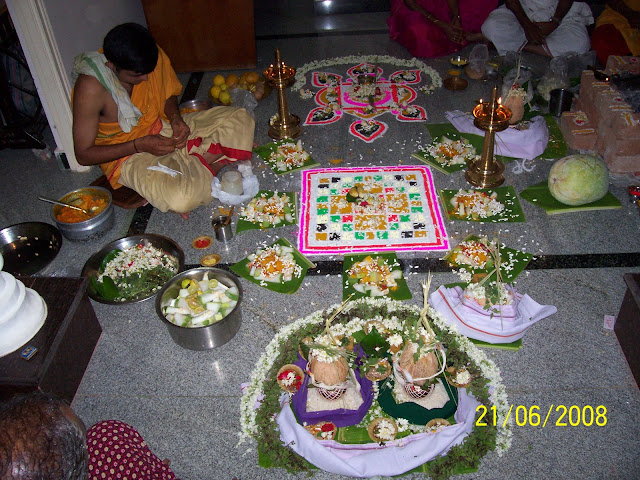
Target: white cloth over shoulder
x=483, y=326
x=505, y=32
x=371, y=459
x=511, y=142
x=94, y=64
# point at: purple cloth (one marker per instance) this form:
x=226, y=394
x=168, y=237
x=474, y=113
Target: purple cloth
x=339, y=417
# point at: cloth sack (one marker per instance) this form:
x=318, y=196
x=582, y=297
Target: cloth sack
x=371, y=459
x=511, y=142
x=250, y=186
x=484, y=325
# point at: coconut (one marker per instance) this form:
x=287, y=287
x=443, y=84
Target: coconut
x=578, y=179
x=329, y=373
x=425, y=367
x=516, y=105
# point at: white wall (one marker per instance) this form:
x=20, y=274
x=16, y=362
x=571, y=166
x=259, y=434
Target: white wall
x=80, y=25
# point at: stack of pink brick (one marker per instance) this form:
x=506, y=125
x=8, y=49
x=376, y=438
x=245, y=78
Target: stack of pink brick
x=603, y=122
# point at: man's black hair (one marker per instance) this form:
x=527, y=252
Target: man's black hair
x=39, y=441
x=131, y=47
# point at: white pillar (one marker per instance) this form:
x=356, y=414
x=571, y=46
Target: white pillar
x=52, y=82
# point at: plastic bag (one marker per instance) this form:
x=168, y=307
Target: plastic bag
x=478, y=61
x=245, y=99
x=556, y=76
x=518, y=77
x=250, y=186
x=577, y=62
x=479, y=55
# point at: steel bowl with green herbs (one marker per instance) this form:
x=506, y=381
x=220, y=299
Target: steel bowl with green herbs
x=132, y=269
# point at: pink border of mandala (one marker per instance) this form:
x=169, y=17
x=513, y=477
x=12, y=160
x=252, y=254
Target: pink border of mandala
x=442, y=240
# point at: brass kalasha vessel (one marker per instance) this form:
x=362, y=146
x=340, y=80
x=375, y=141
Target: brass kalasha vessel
x=487, y=171
x=285, y=124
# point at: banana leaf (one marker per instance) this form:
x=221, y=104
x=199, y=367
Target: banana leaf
x=244, y=224
x=517, y=345
x=506, y=195
x=540, y=196
x=241, y=269
x=557, y=147
x=265, y=151
x=401, y=292
x=513, y=262
x=439, y=130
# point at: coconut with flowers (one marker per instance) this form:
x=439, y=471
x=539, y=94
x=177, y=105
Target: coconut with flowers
x=328, y=369
x=418, y=364
x=422, y=359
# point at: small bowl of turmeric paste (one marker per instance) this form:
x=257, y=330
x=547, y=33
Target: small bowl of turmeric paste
x=78, y=226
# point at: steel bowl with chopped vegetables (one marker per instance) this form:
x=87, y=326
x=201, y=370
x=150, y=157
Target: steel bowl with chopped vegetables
x=201, y=307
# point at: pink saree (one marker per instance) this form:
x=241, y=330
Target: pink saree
x=421, y=37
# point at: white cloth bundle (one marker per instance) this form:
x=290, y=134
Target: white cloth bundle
x=369, y=460
x=250, y=186
x=529, y=143
x=485, y=325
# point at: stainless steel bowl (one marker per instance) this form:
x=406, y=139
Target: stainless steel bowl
x=93, y=266
x=211, y=336
x=90, y=229
x=195, y=105
x=29, y=247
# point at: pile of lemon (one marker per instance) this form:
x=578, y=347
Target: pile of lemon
x=221, y=85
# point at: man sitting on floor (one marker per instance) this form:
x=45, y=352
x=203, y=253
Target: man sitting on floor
x=126, y=120
x=546, y=27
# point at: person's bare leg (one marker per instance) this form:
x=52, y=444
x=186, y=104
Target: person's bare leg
x=214, y=161
x=184, y=215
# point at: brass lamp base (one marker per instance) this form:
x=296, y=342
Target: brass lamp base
x=281, y=76
x=290, y=128
x=478, y=176
x=487, y=171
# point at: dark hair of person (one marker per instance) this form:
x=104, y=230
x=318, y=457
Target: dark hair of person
x=131, y=47
x=38, y=441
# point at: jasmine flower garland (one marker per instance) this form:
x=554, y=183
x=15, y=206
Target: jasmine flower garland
x=258, y=417
x=436, y=80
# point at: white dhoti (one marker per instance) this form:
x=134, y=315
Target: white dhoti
x=505, y=32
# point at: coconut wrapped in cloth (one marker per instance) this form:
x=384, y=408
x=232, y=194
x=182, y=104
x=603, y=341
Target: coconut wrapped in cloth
x=425, y=367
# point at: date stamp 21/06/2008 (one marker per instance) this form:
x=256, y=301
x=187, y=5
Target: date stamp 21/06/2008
x=562, y=416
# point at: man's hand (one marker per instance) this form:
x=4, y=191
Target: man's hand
x=157, y=145
x=181, y=131
x=546, y=27
x=533, y=32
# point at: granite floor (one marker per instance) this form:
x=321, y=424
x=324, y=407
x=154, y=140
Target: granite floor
x=186, y=403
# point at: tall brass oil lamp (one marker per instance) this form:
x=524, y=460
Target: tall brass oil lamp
x=281, y=76
x=487, y=171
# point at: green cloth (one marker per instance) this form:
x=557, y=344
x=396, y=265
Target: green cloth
x=413, y=412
